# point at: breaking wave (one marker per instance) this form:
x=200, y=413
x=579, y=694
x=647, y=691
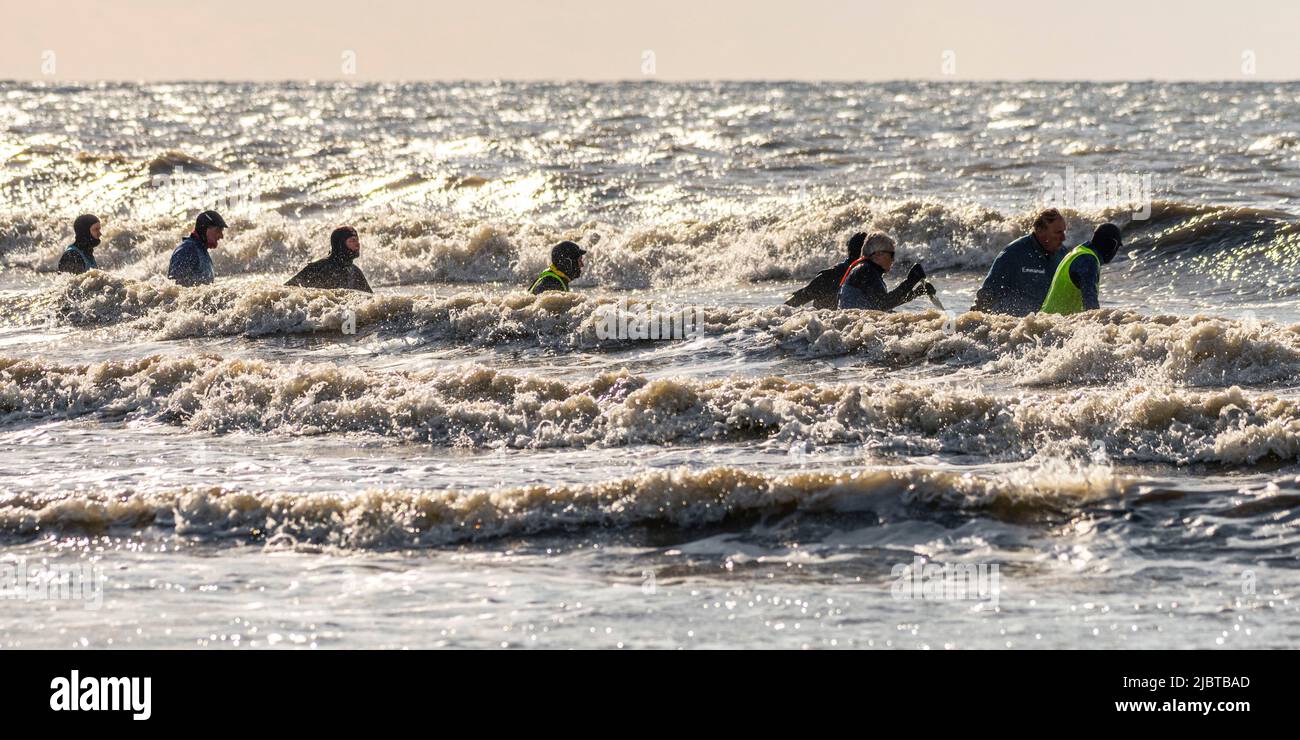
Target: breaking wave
x=479, y=407
x=1109, y=345
x=438, y=518
x=767, y=242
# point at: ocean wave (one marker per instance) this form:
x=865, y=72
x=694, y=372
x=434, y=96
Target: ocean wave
x=479, y=407
x=1185, y=228
x=1109, y=345
x=1275, y=143
x=398, y=519
x=172, y=161
x=777, y=241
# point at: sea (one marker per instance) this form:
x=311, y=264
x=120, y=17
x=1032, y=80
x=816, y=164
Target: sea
x=453, y=462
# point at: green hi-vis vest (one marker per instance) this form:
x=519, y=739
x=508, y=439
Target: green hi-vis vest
x=551, y=271
x=1065, y=297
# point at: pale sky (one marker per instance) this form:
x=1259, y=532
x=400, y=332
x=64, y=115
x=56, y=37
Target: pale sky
x=690, y=39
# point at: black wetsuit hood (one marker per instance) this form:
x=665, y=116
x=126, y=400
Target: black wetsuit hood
x=339, y=251
x=81, y=228
x=1106, y=242
x=855, y=245
x=567, y=258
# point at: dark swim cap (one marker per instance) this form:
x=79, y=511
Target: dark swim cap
x=1106, y=242
x=565, y=256
x=207, y=219
x=855, y=244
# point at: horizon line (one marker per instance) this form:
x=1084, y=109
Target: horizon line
x=651, y=80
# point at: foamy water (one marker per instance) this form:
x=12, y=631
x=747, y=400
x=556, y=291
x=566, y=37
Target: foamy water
x=452, y=462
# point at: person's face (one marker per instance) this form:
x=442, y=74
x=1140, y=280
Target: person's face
x=214, y=235
x=1052, y=236
x=884, y=258
x=95, y=229
x=354, y=244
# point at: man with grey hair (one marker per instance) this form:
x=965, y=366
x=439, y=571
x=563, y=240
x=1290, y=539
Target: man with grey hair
x=1018, y=281
x=863, y=285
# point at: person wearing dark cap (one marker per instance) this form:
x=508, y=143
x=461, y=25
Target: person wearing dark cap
x=823, y=292
x=336, y=270
x=190, y=264
x=1074, y=286
x=565, y=267
x=80, y=255
x=863, y=285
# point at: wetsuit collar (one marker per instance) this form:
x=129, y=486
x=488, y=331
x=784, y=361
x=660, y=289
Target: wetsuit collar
x=855, y=264
x=87, y=254
x=560, y=273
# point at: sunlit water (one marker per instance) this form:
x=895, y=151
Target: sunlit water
x=476, y=467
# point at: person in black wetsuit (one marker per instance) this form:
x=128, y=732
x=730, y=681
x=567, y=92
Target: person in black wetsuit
x=80, y=255
x=823, y=291
x=565, y=267
x=863, y=285
x=191, y=261
x=336, y=270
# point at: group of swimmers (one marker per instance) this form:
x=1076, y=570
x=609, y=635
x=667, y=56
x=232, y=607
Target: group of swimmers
x=1030, y=274
x=191, y=264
